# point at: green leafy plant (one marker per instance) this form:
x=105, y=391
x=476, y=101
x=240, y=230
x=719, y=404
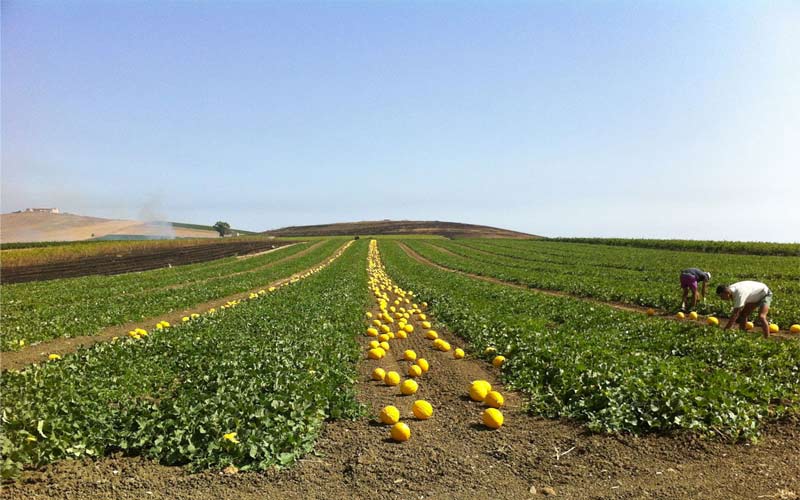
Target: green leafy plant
x=616, y=371
x=249, y=386
x=637, y=276
x=38, y=311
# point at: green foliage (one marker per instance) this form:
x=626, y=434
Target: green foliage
x=637, y=276
x=38, y=311
x=736, y=247
x=614, y=370
x=271, y=370
x=222, y=228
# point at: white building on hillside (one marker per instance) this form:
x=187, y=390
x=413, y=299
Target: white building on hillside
x=41, y=210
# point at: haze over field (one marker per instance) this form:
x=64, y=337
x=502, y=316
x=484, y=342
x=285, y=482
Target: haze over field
x=624, y=119
x=32, y=227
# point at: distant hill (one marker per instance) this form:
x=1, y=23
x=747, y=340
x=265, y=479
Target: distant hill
x=209, y=228
x=388, y=227
x=41, y=226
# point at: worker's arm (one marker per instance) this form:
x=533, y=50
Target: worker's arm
x=704, y=289
x=734, y=317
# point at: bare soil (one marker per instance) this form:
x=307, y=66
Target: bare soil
x=453, y=455
x=37, y=353
x=31, y=227
x=136, y=260
x=780, y=335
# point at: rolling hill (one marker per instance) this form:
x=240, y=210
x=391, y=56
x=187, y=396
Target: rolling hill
x=389, y=227
x=36, y=227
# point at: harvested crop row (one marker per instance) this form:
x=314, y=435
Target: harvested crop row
x=614, y=370
x=680, y=316
x=248, y=386
x=392, y=322
x=89, y=305
x=640, y=277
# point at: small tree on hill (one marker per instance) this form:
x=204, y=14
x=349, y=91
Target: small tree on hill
x=222, y=228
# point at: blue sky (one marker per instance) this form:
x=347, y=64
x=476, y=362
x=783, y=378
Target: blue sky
x=634, y=119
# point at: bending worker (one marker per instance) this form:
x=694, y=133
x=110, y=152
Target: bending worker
x=689, y=279
x=746, y=296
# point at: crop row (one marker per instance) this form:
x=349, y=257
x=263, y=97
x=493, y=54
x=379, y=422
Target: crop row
x=25, y=254
x=737, y=247
x=34, y=312
x=632, y=275
x=614, y=370
x=392, y=325
x=248, y=386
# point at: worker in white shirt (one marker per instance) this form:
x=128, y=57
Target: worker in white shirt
x=746, y=296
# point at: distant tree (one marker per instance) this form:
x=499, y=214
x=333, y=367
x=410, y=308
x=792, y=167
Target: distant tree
x=222, y=228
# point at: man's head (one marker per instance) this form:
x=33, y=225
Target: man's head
x=724, y=292
x=708, y=277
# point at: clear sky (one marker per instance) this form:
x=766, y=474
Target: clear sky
x=591, y=118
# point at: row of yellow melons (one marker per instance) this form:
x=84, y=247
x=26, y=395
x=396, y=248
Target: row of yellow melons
x=492, y=417
x=479, y=391
x=382, y=333
x=749, y=325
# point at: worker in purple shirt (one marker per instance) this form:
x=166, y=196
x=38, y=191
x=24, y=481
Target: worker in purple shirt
x=689, y=279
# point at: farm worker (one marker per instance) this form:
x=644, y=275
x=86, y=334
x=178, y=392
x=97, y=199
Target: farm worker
x=689, y=279
x=746, y=296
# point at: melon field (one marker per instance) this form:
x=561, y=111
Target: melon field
x=405, y=367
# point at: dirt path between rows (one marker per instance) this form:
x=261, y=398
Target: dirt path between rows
x=781, y=335
x=37, y=353
x=255, y=269
x=453, y=456
x=251, y=255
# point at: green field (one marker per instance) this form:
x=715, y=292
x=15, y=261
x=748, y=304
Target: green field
x=249, y=366
x=272, y=369
x=37, y=311
x=737, y=247
x=613, y=369
x=639, y=276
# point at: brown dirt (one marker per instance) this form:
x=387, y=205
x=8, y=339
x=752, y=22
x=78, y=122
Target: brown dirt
x=138, y=259
x=258, y=254
x=32, y=227
x=37, y=353
x=255, y=269
x=780, y=335
x=453, y=456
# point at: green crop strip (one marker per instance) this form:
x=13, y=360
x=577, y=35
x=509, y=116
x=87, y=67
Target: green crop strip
x=248, y=386
x=736, y=247
x=637, y=276
x=38, y=311
x=614, y=370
